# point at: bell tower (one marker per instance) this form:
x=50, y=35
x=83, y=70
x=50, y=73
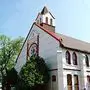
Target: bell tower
x=46, y=19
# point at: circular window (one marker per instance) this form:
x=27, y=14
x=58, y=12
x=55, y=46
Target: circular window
x=33, y=49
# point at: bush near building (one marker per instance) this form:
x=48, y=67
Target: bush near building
x=34, y=74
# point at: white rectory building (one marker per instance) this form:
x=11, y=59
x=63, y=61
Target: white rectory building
x=68, y=59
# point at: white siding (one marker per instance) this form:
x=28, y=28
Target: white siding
x=71, y=66
x=22, y=58
x=80, y=69
x=49, y=17
x=47, y=49
x=55, y=58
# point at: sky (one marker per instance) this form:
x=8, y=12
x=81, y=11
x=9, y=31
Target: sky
x=72, y=17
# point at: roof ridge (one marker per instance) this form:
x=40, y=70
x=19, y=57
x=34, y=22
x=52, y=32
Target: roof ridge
x=73, y=38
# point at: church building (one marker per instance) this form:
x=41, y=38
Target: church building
x=68, y=59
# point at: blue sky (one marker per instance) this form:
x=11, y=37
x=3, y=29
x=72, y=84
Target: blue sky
x=72, y=16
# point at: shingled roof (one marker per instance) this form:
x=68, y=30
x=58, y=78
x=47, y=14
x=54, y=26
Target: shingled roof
x=65, y=41
x=73, y=43
x=69, y=42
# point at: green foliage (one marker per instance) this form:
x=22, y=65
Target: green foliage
x=9, y=50
x=42, y=68
x=34, y=72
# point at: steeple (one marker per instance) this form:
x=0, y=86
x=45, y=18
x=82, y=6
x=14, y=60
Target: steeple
x=44, y=10
x=46, y=19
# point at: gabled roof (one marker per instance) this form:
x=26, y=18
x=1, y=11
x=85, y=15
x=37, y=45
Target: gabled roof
x=65, y=41
x=45, y=10
x=69, y=42
x=75, y=44
x=47, y=31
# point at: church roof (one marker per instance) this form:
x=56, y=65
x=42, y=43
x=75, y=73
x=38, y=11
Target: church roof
x=73, y=43
x=69, y=42
x=65, y=41
x=49, y=32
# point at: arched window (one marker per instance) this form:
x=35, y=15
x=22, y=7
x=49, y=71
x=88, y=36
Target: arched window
x=53, y=78
x=69, y=82
x=47, y=20
x=74, y=58
x=68, y=58
x=51, y=21
x=87, y=61
x=76, y=82
x=40, y=20
x=37, y=21
x=88, y=79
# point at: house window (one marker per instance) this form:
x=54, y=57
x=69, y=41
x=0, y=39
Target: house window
x=87, y=61
x=46, y=20
x=68, y=58
x=53, y=78
x=37, y=21
x=76, y=82
x=74, y=58
x=51, y=21
x=69, y=82
x=88, y=79
x=40, y=20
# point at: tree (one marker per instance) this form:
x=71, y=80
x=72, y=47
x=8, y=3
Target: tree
x=34, y=72
x=9, y=49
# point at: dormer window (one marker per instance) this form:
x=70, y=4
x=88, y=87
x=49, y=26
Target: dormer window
x=51, y=21
x=46, y=20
